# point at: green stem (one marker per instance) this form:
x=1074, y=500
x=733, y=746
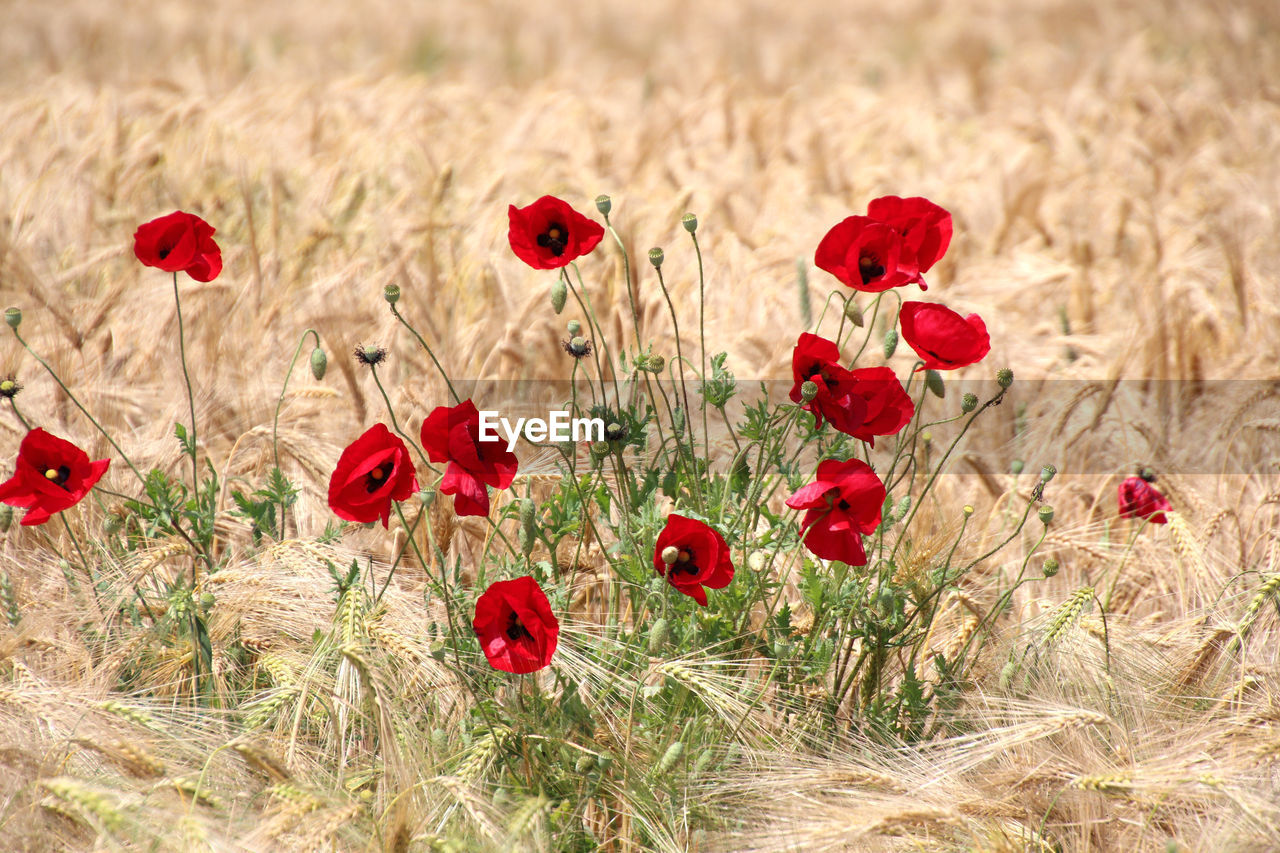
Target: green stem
x=191, y=403
x=18, y=414
x=275, y=450
x=434, y=360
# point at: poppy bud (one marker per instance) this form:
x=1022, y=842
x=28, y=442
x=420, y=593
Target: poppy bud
x=207, y=600
x=604, y=204
x=669, y=759
x=1004, y=377
x=528, y=512
x=757, y=561
x=853, y=312
x=690, y=222
x=968, y=403
x=559, y=295
x=670, y=554
x=658, y=636
x=574, y=328
x=808, y=390
x=1016, y=466
x=6, y=517
x=13, y=316
x=1047, y=473
x=890, y=343
x=1046, y=514
x=1050, y=567
x=655, y=257
x=319, y=362
x=933, y=381
x=391, y=293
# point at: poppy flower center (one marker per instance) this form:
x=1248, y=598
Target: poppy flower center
x=685, y=562
x=819, y=372
x=870, y=268
x=58, y=477
x=837, y=501
x=555, y=239
x=515, y=631
x=376, y=478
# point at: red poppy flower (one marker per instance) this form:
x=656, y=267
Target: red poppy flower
x=179, y=242
x=373, y=471
x=548, y=234
x=843, y=504
x=1138, y=498
x=816, y=359
x=516, y=628
x=943, y=338
x=701, y=557
x=925, y=228
x=866, y=255
x=888, y=408
x=452, y=434
x=51, y=475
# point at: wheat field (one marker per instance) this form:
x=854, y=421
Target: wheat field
x=1113, y=170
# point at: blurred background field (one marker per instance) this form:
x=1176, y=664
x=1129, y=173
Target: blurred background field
x=1114, y=174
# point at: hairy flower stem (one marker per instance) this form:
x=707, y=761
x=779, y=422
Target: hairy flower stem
x=1133, y=538
x=84, y=561
x=191, y=402
x=684, y=390
x=18, y=414
x=395, y=425
x=409, y=531
x=434, y=360
x=275, y=422
x=626, y=275
x=702, y=341
x=871, y=324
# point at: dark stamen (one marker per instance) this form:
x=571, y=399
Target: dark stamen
x=555, y=238
x=869, y=268
x=375, y=479
x=516, y=631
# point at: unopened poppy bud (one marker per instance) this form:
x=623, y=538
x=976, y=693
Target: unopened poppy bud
x=926, y=437
x=690, y=222
x=559, y=295
x=1045, y=513
x=933, y=381
x=615, y=432
x=757, y=561
x=670, y=554
x=1016, y=466
x=13, y=316
x=1047, y=473
x=968, y=403
x=604, y=204
x=656, y=256
x=391, y=293
x=1050, y=567
x=853, y=312
x=207, y=600
x=808, y=390
x=319, y=363
x=1004, y=377
x=574, y=328
x=528, y=512
x=658, y=636
x=6, y=517
x=890, y=343
x=967, y=509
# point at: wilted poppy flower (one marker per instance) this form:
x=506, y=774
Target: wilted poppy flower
x=51, y=475
x=866, y=255
x=452, y=434
x=943, y=338
x=843, y=504
x=1138, y=498
x=699, y=557
x=179, y=242
x=548, y=234
x=925, y=228
x=373, y=471
x=816, y=359
x=516, y=628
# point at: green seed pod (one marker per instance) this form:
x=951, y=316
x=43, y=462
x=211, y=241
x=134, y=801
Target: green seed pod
x=890, y=343
x=659, y=634
x=574, y=328
x=391, y=293
x=319, y=363
x=669, y=759
x=655, y=257
x=559, y=295
x=933, y=381
x=1016, y=466
x=207, y=600
x=968, y=403
x=600, y=449
x=690, y=222
x=427, y=497
x=1004, y=377
x=604, y=204
x=853, y=312
x=808, y=390
x=657, y=364
x=9, y=388
x=1050, y=567
x=604, y=760
x=967, y=510
x=1047, y=473
x=13, y=316
x=1046, y=514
